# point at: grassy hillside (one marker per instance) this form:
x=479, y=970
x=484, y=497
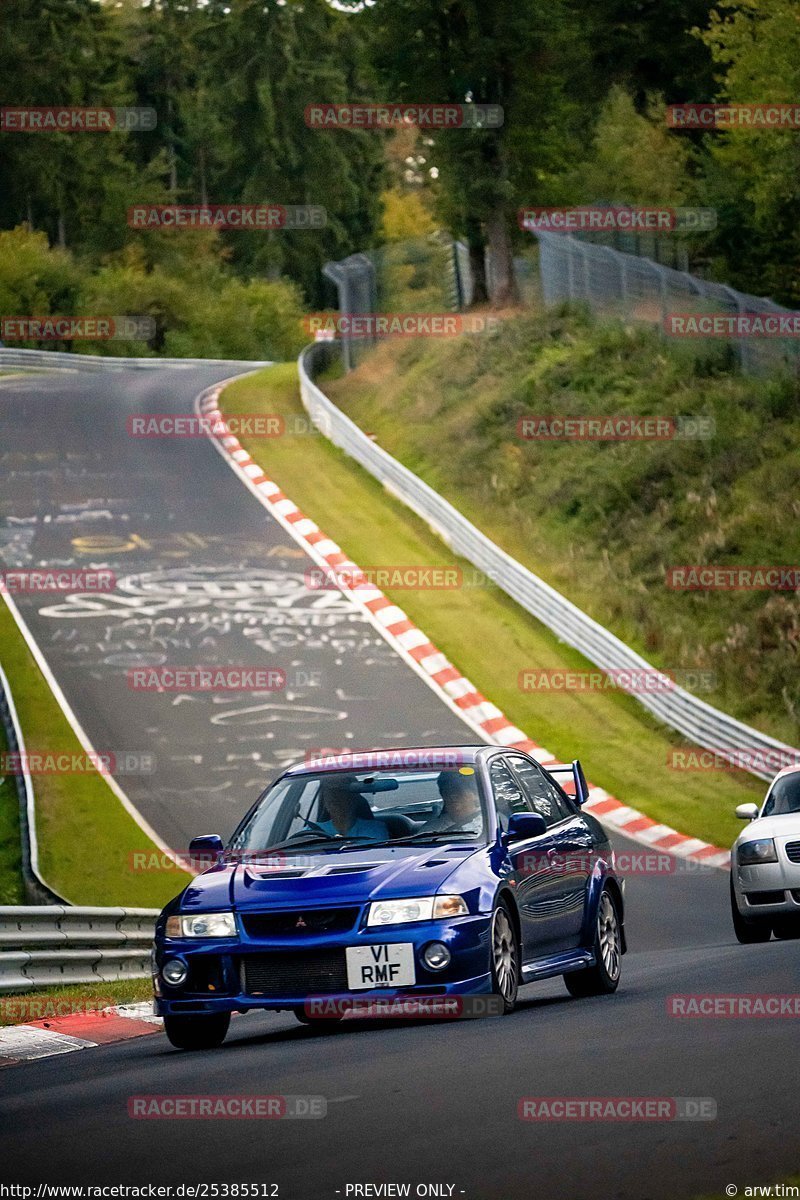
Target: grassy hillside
x=603, y=521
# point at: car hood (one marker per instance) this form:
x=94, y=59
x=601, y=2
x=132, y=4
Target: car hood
x=317, y=878
x=786, y=827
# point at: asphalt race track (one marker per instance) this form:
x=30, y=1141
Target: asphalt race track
x=206, y=575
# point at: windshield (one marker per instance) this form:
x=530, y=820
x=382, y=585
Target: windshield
x=783, y=797
x=377, y=807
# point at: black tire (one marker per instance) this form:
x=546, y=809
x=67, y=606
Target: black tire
x=749, y=930
x=190, y=1032
x=320, y=1023
x=786, y=928
x=504, y=957
x=603, y=978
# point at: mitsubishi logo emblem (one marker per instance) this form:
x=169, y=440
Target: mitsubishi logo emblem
x=300, y=923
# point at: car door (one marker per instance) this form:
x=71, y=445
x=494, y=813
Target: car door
x=529, y=861
x=570, y=849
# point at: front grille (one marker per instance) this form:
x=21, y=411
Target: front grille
x=793, y=851
x=299, y=922
x=764, y=897
x=303, y=973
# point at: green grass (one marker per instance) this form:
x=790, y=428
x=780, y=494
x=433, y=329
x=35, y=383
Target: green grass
x=484, y=633
x=59, y=1000
x=85, y=835
x=12, y=890
x=601, y=521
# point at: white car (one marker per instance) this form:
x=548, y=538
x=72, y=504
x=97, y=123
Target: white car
x=765, y=864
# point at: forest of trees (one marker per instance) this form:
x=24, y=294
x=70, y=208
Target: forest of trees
x=583, y=88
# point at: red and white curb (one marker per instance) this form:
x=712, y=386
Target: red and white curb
x=408, y=640
x=75, y=1031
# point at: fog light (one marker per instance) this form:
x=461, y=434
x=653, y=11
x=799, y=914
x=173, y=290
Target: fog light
x=174, y=972
x=436, y=956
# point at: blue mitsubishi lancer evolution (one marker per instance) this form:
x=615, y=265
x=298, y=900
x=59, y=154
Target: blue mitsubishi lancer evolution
x=456, y=871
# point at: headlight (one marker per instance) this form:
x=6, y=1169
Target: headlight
x=202, y=925
x=420, y=908
x=174, y=972
x=750, y=854
x=436, y=956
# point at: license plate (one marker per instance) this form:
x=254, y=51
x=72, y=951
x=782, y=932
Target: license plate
x=390, y=965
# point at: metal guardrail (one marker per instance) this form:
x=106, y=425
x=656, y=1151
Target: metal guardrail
x=35, y=887
x=95, y=362
x=698, y=721
x=50, y=944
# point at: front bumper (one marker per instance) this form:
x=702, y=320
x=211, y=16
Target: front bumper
x=218, y=975
x=769, y=888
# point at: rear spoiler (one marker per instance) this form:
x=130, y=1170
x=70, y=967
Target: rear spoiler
x=575, y=771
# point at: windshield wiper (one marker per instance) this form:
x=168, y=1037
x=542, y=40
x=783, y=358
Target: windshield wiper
x=339, y=839
x=433, y=835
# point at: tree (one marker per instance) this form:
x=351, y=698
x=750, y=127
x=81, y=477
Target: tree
x=72, y=185
x=635, y=158
x=471, y=53
x=753, y=175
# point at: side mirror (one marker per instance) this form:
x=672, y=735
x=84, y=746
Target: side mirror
x=207, y=848
x=747, y=812
x=524, y=825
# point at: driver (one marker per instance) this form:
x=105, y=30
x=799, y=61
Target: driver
x=346, y=812
x=461, y=809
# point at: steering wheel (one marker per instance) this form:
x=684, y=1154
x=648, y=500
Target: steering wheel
x=459, y=825
x=312, y=825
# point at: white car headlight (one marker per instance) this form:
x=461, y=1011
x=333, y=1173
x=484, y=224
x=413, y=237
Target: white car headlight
x=750, y=854
x=202, y=925
x=418, y=908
